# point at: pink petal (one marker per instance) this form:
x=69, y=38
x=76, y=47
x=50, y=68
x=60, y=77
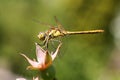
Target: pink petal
x=21, y=79
x=56, y=52
x=33, y=63
x=40, y=53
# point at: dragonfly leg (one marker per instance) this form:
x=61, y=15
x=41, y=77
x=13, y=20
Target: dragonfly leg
x=45, y=42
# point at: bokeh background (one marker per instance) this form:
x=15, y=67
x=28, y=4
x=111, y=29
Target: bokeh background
x=82, y=57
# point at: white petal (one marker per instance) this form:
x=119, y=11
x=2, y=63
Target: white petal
x=40, y=53
x=35, y=78
x=56, y=52
x=33, y=63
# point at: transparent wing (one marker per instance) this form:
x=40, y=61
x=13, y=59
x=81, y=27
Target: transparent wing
x=59, y=25
x=46, y=24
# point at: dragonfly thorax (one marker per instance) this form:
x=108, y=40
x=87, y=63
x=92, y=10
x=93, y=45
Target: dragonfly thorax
x=55, y=33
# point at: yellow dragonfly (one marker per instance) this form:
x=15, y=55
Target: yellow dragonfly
x=56, y=31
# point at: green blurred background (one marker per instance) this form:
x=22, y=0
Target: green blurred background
x=82, y=57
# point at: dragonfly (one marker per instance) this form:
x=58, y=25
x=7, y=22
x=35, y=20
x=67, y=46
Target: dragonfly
x=57, y=31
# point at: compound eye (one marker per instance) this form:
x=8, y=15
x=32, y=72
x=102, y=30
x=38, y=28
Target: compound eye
x=41, y=36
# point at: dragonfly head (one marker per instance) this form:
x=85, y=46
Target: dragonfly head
x=41, y=36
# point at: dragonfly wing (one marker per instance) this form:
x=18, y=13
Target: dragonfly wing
x=59, y=25
x=42, y=23
x=56, y=52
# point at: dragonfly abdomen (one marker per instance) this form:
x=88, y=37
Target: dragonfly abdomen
x=84, y=32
